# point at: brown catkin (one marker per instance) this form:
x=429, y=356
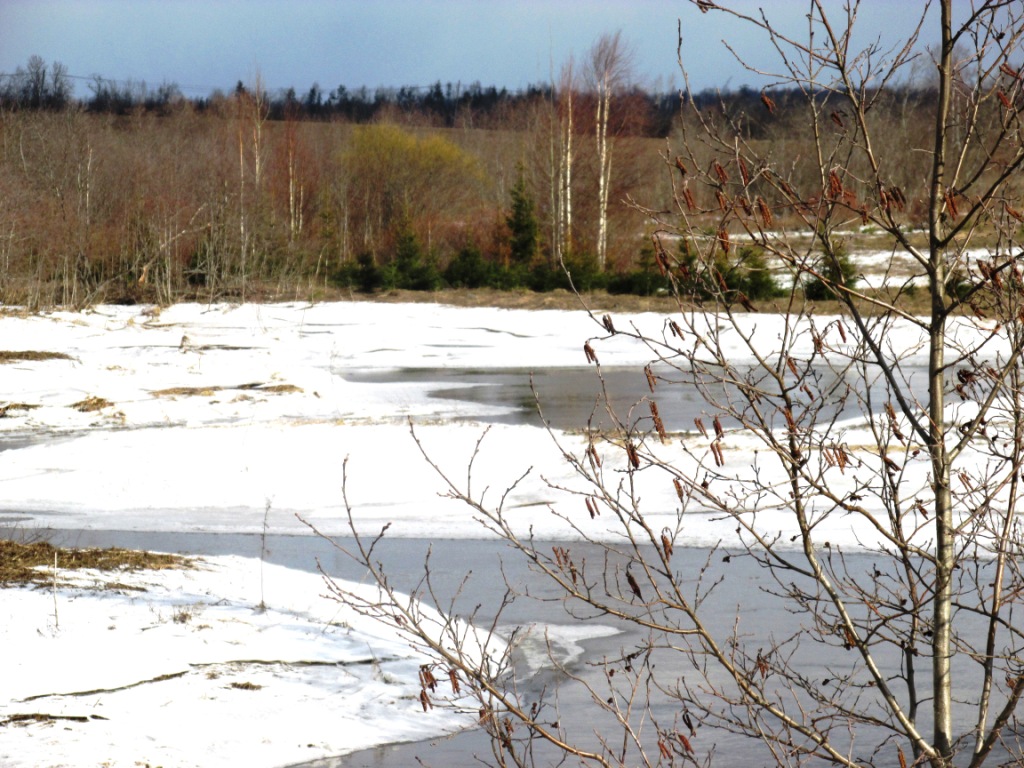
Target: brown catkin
x=688, y=197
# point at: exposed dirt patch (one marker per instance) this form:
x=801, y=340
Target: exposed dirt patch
x=20, y=563
x=9, y=356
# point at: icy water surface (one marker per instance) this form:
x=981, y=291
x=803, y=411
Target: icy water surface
x=570, y=398
x=475, y=567
x=480, y=569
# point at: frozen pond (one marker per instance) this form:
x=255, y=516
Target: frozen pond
x=191, y=428
x=453, y=562
x=471, y=564
x=572, y=397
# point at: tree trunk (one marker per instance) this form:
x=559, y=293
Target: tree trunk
x=603, y=171
x=940, y=461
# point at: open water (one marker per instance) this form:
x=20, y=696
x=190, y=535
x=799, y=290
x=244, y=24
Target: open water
x=569, y=398
x=472, y=567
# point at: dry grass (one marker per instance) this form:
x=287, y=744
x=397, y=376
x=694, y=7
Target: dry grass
x=186, y=391
x=9, y=356
x=22, y=563
x=558, y=299
x=8, y=407
x=278, y=389
x=281, y=389
x=91, y=404
x=599, y=301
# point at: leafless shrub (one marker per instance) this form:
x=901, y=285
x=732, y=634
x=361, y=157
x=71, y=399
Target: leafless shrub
x=921, y=641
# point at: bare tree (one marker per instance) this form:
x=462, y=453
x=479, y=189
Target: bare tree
x=563, y=156
x=899, y=417
x=252, y=114
x=609, y=68
x=35, y=83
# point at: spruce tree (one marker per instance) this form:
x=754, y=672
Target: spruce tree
x=522, y=223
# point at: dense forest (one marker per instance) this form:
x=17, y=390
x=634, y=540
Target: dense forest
x=136, y=194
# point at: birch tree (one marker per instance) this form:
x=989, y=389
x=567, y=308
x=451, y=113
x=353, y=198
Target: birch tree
x=609, y=67
x=252, y=113
x=563, y=155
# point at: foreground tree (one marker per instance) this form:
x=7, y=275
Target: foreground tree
x=899, y=418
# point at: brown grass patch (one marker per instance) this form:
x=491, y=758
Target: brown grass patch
x=186, y=391
x=246, y=686
x=557, y=299
x=281, y=389
x=5, y=409
x=117, y=586
x=8, y=356
x=600, y=301
x=278, y=389
x=20, y=563
x=22, y=718
x=91, y=404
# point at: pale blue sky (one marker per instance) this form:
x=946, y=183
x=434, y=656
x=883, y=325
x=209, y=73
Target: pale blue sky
x=207, y=44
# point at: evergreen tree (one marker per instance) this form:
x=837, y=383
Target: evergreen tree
x=522, y=223
x=837, y=269
x=412, y=268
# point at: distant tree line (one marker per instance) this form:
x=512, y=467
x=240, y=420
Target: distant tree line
x=39, y=86
x=42, y=86
x=141, y=194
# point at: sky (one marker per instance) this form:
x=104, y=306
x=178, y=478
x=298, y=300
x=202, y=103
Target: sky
x=202, y=46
